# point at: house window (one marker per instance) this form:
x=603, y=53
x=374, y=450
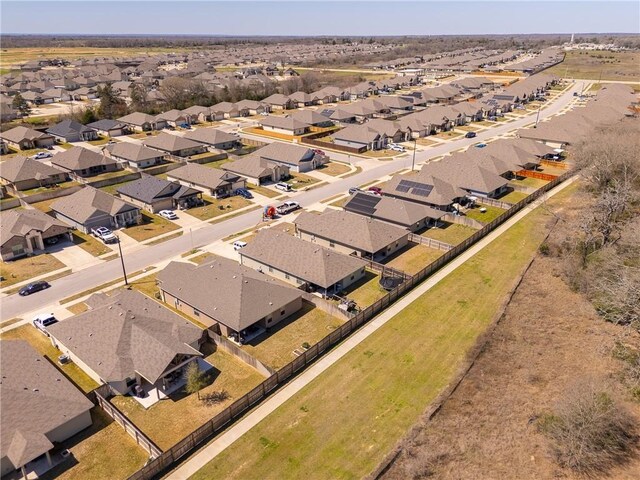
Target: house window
x=352, y=277
x=282, y=312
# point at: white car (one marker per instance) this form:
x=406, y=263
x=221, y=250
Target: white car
x=238, y=244
x=168, y=214
x=42, y=155
x=395, y=147
x=285, y=187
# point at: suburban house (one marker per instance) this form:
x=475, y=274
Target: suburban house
x=90, y=208
x=225, y=110
x=303, y=99
x=25, y=232
x=211, y=181
x=361, y=137
x=129, y=339
x=198, y=114
x=257, y=170
x=214, y=138
x=135, y=155
x=301, y=263
x=297, y=158
x=4, y=148
x=154, y=194
x=176, y=118
x=82, y=162
x=22, y=173
x=311, y=118
x=251, y=303
x=421, y=188
x=71, y=131
x=285, y=125
x=40, y=408
x=142, y=122
x=410, y=215
x=25, y=138
x=175, y=145
x=253, y=107
x=350, y=233
x=277, y=101
x=109, y=128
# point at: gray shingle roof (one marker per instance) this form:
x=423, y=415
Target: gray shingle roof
x=20, y=222
x=313, y=263
x=148, y=189
x=20, y=133
x=210, y=136
x=127, y=333
x=248, y=296
x=79, y=158
x=85, y=203
x=133, y=152
x=285, y=153
x=21, y=168
x=396, y=210
x=68, y=127
x=170, y=143
x=203, y=176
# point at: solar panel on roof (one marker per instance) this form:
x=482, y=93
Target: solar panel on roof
x=416, y=188
x=363, y=203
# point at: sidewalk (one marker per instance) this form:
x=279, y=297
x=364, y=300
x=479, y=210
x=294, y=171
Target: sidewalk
x=218, y=445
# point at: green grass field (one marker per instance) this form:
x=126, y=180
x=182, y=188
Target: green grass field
x=599, y=66
x=342, y=424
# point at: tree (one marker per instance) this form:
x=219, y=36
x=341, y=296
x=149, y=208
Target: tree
x=195, y=378
x=111, y=106
x=21, y=105
x=139, y=98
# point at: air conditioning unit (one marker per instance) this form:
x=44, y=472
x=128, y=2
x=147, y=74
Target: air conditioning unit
x=64, y=359
x=65, y=453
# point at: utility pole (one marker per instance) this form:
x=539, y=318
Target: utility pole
x=537, y=116
x=415, y=146
x=124, y=271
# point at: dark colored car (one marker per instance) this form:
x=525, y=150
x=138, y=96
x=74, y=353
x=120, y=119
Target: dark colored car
x=470, y=135
x=33, y=288
x=243, y=192
x=376, y=190
x=354, y=190
x=318, y=151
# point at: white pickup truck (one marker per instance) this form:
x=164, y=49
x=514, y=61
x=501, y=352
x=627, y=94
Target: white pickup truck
x=104, y=234
x=287, y=207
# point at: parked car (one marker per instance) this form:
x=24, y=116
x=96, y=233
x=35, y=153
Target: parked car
x=52, y=240
x=33, y=288
x=480, y=145
x=395, y=147
x=287, y=207
x=169, y=127
x=317, y=151
x=42, y=155
x=354, y=190
x=470, y=135
x=492, y=118
x=42, y=321
x=186, y=126
x=49, y=147
x=285, y=187
x=243, y=192
x=168, y=214
x=104, y=234
x=375, y=190
x=238, y=244
x=552, y=156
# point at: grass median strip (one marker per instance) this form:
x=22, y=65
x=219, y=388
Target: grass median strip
x=343, y=423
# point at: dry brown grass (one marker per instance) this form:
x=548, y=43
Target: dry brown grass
x=23, y=269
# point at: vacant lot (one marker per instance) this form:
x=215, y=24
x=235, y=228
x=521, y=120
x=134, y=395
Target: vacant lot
x=599, y=66
x=151, y=226
x=42, y=344
x=95, y=449
x=414, y=258
x=23, y=269
x=170, y=420
x=344, y=422
x=451, y=233
x=215, y=208
x=276, y=347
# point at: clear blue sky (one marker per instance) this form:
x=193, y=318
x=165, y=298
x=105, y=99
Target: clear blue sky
x=388, y=17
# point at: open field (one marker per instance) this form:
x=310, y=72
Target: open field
x=309, y=325
x=170, y=420
x=452, y=233
x=593, y=65
x=43, y=345
x=94, y=450
x=17, y=271
x=388, y=380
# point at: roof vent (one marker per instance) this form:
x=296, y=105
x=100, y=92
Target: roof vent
x=235, y=276
x=35, y=390
x=91, y=334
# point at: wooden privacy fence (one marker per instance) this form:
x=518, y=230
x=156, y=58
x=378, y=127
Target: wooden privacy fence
x=236, y=351
x=102, y=393
x=429, y=242
x=234, y=411
x=533, y=174
x=554, y=164
x=333, y=146
x=462, y=220
x=492, y=202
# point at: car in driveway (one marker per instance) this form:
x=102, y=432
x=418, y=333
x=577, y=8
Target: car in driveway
x=287, y=207
x=317, y=151
x=470, y=135
x=354, y=190
x=42, y=155
x=244, y=193
x=238, y=244
x=104, y=234
x=33, y=287
x=168, y=214
x=395, y=147
x=375, y=190
x=285, y=187
x=480, y=145
x=44, y=320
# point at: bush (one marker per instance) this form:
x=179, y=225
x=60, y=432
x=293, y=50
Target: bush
x=589, y=432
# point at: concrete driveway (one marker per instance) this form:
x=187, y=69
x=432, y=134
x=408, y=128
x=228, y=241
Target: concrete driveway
x=72, y=255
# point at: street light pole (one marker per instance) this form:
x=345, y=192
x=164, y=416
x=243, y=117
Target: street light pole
x=124, y=271
x=415, y=146
x=537, y=116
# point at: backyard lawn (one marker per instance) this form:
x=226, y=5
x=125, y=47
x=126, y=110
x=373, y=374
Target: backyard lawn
x=95, y=449
x=365, y=291
x=344, y=422
x=172, y=419
x=90, y=244
x=276, y=347
x=101, y=141
x=23, y=269
x=334, y=168
x=513, y=197
x=217, y=163
x=529, y=182
x=215, y=208
x=486, y=217
x=44, y=206
x=452, y=233
x=414, y=258
x=151, y=226
x=113, y=189
x=43, y=345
